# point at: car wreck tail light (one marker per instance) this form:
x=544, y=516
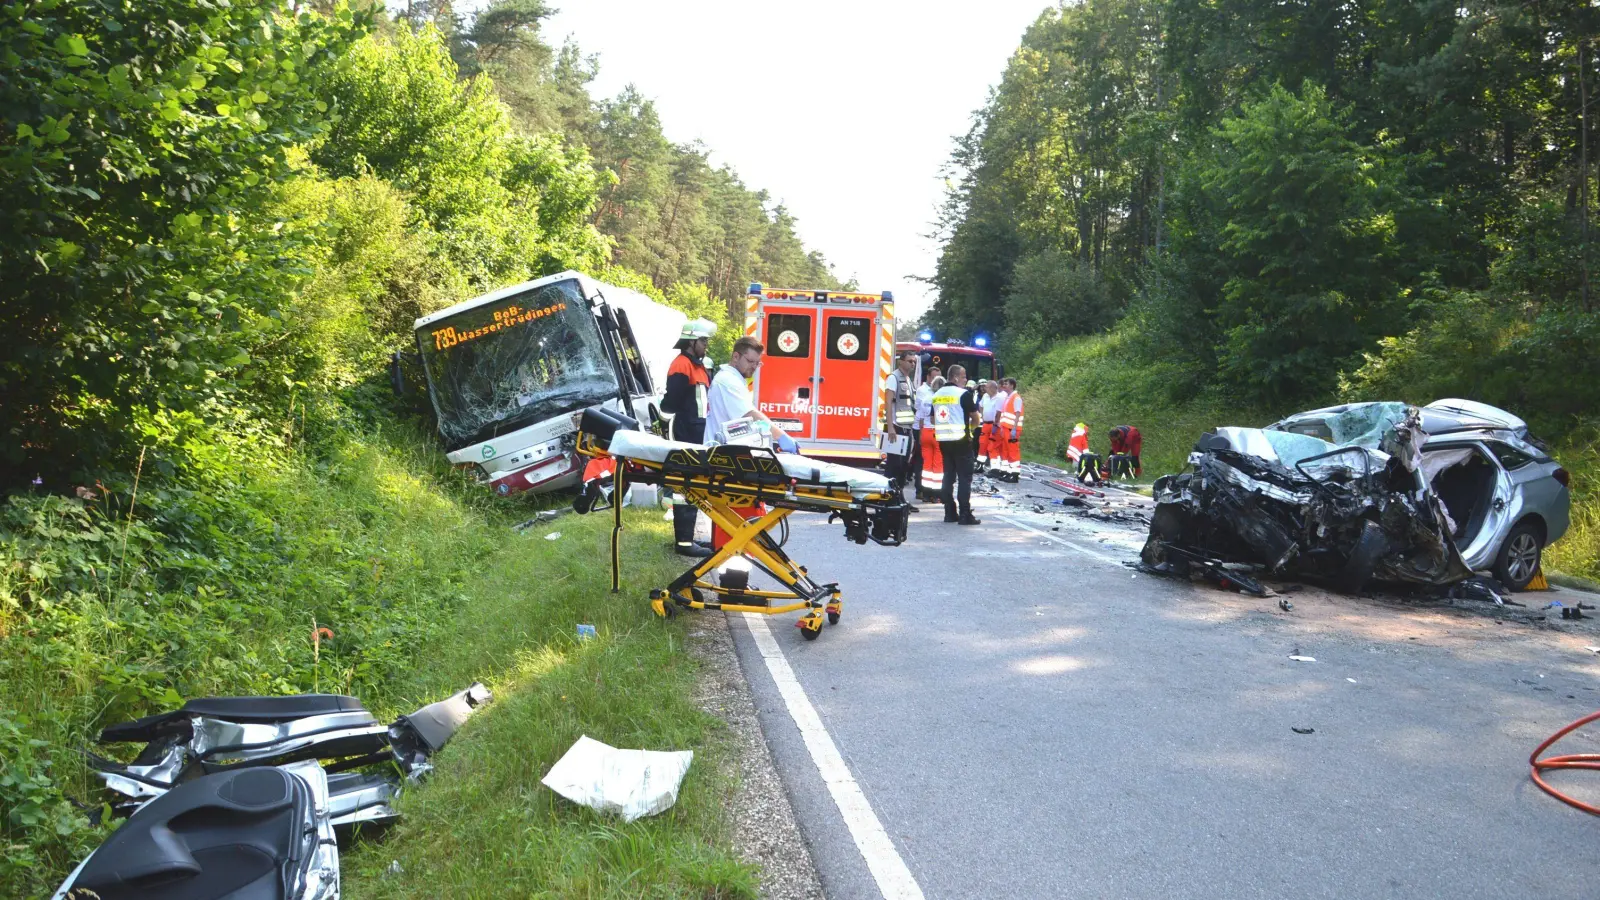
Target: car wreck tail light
x=1563, y=476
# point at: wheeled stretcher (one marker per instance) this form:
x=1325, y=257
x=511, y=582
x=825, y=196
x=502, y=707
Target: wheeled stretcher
x=720, y=479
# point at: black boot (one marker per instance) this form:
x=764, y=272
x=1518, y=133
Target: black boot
x=683, y=519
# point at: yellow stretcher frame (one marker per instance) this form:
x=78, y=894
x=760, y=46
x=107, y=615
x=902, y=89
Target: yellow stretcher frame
x=718, y=494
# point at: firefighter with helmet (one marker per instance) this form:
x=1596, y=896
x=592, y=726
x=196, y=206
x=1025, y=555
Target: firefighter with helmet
x=688, y=386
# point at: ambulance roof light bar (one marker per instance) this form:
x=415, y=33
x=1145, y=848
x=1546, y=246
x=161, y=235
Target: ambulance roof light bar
x=756, y=289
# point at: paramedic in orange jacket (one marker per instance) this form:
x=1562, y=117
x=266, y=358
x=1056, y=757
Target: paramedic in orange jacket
x=1008, y=436
x=931, y=478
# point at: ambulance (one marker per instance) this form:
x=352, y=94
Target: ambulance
x=828, y=354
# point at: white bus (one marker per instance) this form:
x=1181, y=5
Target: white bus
x=509, y=372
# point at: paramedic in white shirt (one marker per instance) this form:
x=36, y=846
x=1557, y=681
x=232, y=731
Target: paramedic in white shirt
x=730, y=397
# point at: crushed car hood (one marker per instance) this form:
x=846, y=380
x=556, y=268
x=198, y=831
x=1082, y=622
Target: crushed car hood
x=1346, y=513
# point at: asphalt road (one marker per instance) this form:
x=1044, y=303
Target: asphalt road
x=1029, y=719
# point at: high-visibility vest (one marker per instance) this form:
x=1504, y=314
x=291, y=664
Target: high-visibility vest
x=1011, y=413
x=949, y=422
x=904, y=412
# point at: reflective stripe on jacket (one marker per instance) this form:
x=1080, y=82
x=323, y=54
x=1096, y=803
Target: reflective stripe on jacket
x=1011, y=413
x=904, y=413
x=687, y=385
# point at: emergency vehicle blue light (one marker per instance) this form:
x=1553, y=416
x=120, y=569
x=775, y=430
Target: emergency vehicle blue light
x=980, y=341
x=755, y=287
x=888, y=296
x=926, y=337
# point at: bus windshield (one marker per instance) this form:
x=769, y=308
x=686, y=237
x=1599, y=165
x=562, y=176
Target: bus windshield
x=519, y=360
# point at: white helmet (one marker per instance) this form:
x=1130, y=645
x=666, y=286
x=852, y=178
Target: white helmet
x=695, y=329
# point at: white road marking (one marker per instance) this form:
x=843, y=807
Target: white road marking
x=1094, y=554
x=883, y=860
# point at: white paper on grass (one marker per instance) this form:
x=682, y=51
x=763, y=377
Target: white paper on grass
x=628, y=783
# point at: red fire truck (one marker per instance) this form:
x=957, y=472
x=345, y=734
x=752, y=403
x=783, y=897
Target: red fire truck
x=828, y=353
x=976, y=358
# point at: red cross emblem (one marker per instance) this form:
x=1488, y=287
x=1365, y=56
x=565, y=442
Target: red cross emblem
x=788, y=341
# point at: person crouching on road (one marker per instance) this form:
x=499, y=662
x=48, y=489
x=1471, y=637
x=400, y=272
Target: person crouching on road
x=1126, y=444
x=686, y=400
x=931, y=476
x=955, y=417
x=899, y=415
x=1008, y=444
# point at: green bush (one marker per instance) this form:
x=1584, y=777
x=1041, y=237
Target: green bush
x=1543, y=365
x=1052, y=296
x=506, y=206
x=138, y=143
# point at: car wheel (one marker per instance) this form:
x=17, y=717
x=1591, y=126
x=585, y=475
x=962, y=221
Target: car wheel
x=1519, y=556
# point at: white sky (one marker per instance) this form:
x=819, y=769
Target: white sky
x=843, y=110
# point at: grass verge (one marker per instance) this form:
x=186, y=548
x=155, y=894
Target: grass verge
x=114, y=605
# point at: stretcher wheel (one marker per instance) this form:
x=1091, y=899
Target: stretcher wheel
x=833, y=618
x=835, y=610
x=810, y=626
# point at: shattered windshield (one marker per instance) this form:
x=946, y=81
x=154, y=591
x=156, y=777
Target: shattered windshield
x=508, y=364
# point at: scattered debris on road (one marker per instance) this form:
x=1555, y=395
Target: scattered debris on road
x=1298, y=730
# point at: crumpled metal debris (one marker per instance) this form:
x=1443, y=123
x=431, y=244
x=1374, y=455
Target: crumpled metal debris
x=1345, y=514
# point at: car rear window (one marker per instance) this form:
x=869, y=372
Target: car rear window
x=1509, y=456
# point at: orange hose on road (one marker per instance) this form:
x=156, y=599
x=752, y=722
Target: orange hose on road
x=1569, y=761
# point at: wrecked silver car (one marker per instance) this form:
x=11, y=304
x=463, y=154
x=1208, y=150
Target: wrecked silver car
x=1366, y=492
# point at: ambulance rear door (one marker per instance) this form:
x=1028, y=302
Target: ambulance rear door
x=786, y=381
x=847, y=384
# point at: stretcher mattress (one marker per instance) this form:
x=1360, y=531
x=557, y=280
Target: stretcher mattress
x=646, y=446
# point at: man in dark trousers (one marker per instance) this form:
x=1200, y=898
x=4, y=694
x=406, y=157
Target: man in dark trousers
x=899, y=414
x=955, y=417
x=685, y=400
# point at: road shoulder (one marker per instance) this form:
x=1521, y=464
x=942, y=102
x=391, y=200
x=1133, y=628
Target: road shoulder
x=765, y=832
